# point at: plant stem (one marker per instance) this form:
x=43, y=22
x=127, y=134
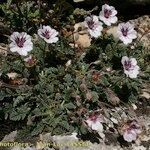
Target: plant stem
x=44, y=54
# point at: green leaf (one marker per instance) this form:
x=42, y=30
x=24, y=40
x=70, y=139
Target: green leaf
x=65, y=124
x=95, y=96
x=83, y=129
x=104, y=81
x=70, y=106
x=18, y=100
x=34, y=15
x=18, y=65
x=68, y=79
x=2, y=95
x=9, y=3
x=19, y=114
x=38, y=129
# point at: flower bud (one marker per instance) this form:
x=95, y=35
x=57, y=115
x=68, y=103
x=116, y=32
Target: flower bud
x=78, y=98
x=83, y=87
x=89, y=96
x=96, y=76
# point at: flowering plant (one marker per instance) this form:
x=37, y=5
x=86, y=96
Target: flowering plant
x=108, y=15
x=130, y=66
x=126, y=32
x=21, y=43
x=62, y=88
x=130, y=130
x=95, y=122
x=94, y=26
x=48, y=34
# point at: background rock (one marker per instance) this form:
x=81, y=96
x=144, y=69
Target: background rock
x=10, y=137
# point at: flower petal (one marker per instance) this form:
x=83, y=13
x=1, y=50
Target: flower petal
x=133, y=61
x=97, y=126
x=111, y=16
x=48, y=34
x=130, y=136
x=124, y=59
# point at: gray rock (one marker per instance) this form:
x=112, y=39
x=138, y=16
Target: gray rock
x=10, y=137
x=142, y=25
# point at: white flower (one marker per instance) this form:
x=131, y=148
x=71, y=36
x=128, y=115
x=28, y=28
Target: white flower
x=108, y=15
x=130, y=135
x=131, y=129
x=126, y=32
x=20, y=43
x=48, y=34
x=95, y=123
x=135, y=126
x=93, y=25
x=130, y=66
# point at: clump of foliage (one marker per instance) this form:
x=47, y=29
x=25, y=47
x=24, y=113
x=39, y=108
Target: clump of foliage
x=57, y=89
x=27, y=15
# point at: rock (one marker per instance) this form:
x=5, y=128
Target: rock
x=66, y=142
x=76, y=1
x=71, y=142
x=142, y=25
x=60, y=142
x=10, y=137
x=30, y=148
x=146, y=95
x=138, y=147
x=46, y=137
x=113, y=31
x=81, y=36
x=12, y=75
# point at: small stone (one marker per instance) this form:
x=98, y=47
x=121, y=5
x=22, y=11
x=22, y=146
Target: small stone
x=146, y=95
x=102, y=135
x=12, y=75
x=76, y=1
x=134, y=106
x=114, y=120
x=138, y=147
